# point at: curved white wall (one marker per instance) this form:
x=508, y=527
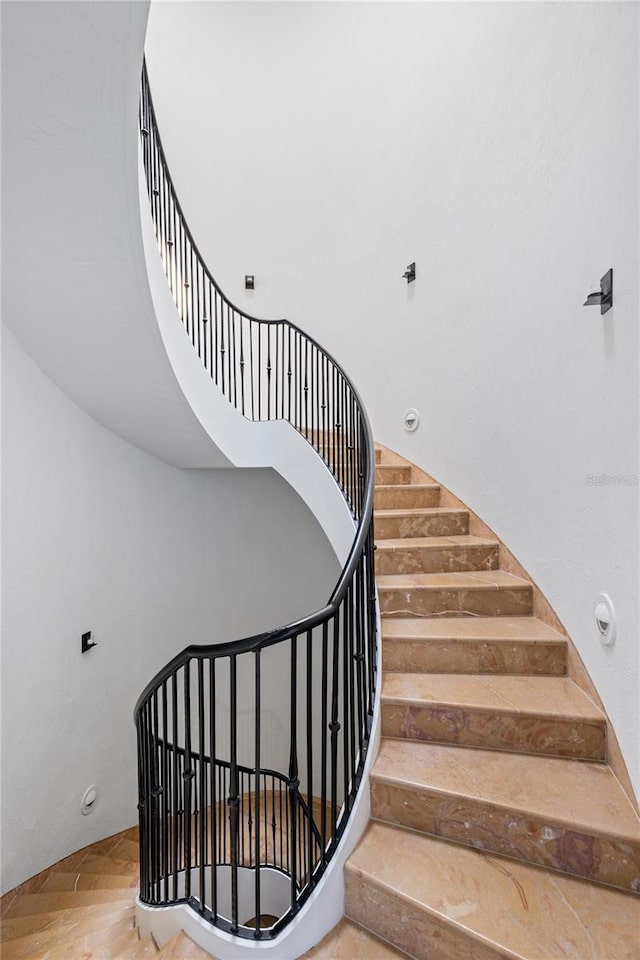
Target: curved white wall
x=99, y=535
x=75, y=287
x=322, y=147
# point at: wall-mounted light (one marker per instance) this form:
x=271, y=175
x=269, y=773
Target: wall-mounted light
x=410, y=273
x=249, y=281
x=603, y=296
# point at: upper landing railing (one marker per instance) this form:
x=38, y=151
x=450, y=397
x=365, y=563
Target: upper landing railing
x=236, y=822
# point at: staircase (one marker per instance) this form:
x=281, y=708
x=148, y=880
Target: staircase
x=498, y=828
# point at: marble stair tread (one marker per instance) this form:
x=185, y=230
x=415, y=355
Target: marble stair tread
x=406, y=495
x=476, y=645
x=454, y=594
x=391, y=473
x=18, y=947
x=421, y=522
x=495, y=629
x=554, y=812
x=542, y=696
x=526, y=714
x=394, y=544
x=349, y=941
x=182, y=947
x=456, y=553
x=445, y=901
x=59, y=882
x=469, y=580
x=48, y=902
x=25, y=925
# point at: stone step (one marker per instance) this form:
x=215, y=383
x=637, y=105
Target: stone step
x=391, y=473
x=59, y=882
x=481, y=593
x=35, y=944
x=445, y=901
x=378, y=454
x=349, y=941
x=454, y=554
x=421, y=522
x=47, y=902
x=23, y=926
x=545, y=715
x=406, y=496
x=477, y=645
x=568, y=816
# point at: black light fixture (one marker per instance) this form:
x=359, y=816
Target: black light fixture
x=249, y=281
x=603, y=296
x=410, y=273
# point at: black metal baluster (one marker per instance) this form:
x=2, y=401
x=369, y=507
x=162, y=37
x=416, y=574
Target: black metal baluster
x=222, y=346
x=242, y=329
x=214, y=796
x=334, y=726
x=309, y=666
x=174, y=783
x=306, y=388
x=203, y=787
x=259, y=371
x=232, y=801
x=268, y=333
x=234, y=357
x=294, y=782
x=165, y=792
x=289, y=374
x=323, y=747
x=188, y=776
x=257, y=761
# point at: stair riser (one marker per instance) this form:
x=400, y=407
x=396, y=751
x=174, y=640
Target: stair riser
x=407, y=497
x=451, y=559
x=388, y=474
x=483, y=657
x=450, y=524
x=434, y=602
x=508, y=832
x=398, y=920
x=556, y=737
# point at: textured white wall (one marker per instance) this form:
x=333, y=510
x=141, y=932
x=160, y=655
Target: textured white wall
x=323, y=147
x=100, y=536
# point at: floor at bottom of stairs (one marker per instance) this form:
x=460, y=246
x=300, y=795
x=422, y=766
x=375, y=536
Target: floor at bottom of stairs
x=82, y=908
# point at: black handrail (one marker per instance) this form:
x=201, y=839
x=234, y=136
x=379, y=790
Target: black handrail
x=195, y=757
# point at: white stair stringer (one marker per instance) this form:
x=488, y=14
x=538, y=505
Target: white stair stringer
x=245, y=443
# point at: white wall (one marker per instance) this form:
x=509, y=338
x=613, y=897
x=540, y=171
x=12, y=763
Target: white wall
x=100, y=536
x=323, y=147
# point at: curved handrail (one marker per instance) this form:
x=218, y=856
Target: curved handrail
x=269, y=369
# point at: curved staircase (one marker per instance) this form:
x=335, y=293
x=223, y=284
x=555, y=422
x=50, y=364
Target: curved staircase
x=499, y=830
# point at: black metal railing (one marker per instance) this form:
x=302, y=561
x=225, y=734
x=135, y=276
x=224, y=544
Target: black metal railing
x=217, y=819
